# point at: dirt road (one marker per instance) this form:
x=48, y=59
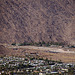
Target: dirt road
x=59, y=50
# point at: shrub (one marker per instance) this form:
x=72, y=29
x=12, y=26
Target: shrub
x=13, y=44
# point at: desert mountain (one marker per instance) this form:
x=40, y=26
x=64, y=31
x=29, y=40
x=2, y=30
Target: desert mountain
x=37, y=20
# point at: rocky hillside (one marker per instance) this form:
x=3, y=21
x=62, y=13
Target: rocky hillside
x=4, y=50
x=37, y=20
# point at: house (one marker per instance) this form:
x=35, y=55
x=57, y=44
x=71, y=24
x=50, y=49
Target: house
x=48, y=71
x=42, y=73
x=66, y=70
x=54, y=72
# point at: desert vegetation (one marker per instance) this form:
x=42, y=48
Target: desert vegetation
x=40, y=43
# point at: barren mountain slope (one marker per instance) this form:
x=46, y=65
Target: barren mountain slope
x=37, y=20
x=4, y=50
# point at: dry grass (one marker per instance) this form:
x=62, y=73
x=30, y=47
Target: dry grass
x=64, y=57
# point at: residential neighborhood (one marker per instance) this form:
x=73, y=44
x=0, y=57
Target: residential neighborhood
x=29, y=65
